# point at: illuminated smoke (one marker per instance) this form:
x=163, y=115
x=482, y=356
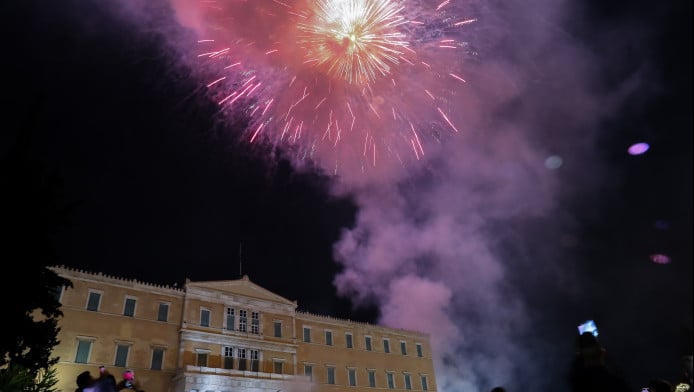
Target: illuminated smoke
x=444, y=151
x=362, y=88
x=443, y=147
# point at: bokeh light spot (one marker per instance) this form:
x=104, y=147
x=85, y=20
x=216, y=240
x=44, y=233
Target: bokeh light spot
x=638, y=148
x=554, y=162
x=659, y=258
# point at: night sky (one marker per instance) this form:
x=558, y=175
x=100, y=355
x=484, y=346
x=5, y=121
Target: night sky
x=161, y=189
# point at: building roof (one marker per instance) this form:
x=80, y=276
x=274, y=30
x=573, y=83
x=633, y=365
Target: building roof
x=242, y=286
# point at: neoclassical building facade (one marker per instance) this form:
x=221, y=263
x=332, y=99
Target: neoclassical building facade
x=227, y=336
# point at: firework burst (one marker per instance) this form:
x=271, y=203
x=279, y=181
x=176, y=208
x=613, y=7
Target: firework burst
x=345, y=84
x=356, y=40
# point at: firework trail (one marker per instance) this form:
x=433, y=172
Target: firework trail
x=353, y=86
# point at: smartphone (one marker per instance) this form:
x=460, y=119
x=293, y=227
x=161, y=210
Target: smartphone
x=588, y=326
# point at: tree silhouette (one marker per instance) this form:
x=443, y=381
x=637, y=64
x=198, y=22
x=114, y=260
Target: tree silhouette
x=30, y=215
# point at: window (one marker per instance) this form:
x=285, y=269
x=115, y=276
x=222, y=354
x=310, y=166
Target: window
x=391, y=380
x=230, y=319
x=348, y=339
x=386, y=346
x=352, y=377
x=129, y=308
x=93, y=301
x=425, y=384
x=163, y=314
x=367, y=341
x=403, y=348
x=419, y=350
x=307, y=334
x=122, y=355
x=255, y=360
x=255, y=323
x=157, y=358
x=242, y=358
x=204, y=317
x=308, y=372
x=372, y=378
x=408, y=381
x=202, y=359
x=277, y=367
x=243, y=320
x=56, y=293
x=329, y=338
x=83, y=349
x=331, y=375
x=278, y=329
x=228, y=353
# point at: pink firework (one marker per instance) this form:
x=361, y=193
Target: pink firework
x=346, y=84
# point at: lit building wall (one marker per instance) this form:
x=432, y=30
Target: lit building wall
x=362, y=355
x=225, y=336
x=106, y=336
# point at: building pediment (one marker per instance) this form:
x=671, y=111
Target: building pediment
x=240, y=287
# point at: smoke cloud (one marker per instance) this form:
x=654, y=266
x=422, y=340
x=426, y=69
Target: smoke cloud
x=461, y=248
x=462, y=244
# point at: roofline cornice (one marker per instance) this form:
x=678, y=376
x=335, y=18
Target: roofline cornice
x=100, y=277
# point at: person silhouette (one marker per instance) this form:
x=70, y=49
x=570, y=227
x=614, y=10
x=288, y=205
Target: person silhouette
x=589, y=373
x=87, y=383
x=659, y=385
x=84, y=380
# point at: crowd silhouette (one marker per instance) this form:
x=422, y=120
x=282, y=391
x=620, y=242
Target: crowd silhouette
x=106, y=382
x=591, y=371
